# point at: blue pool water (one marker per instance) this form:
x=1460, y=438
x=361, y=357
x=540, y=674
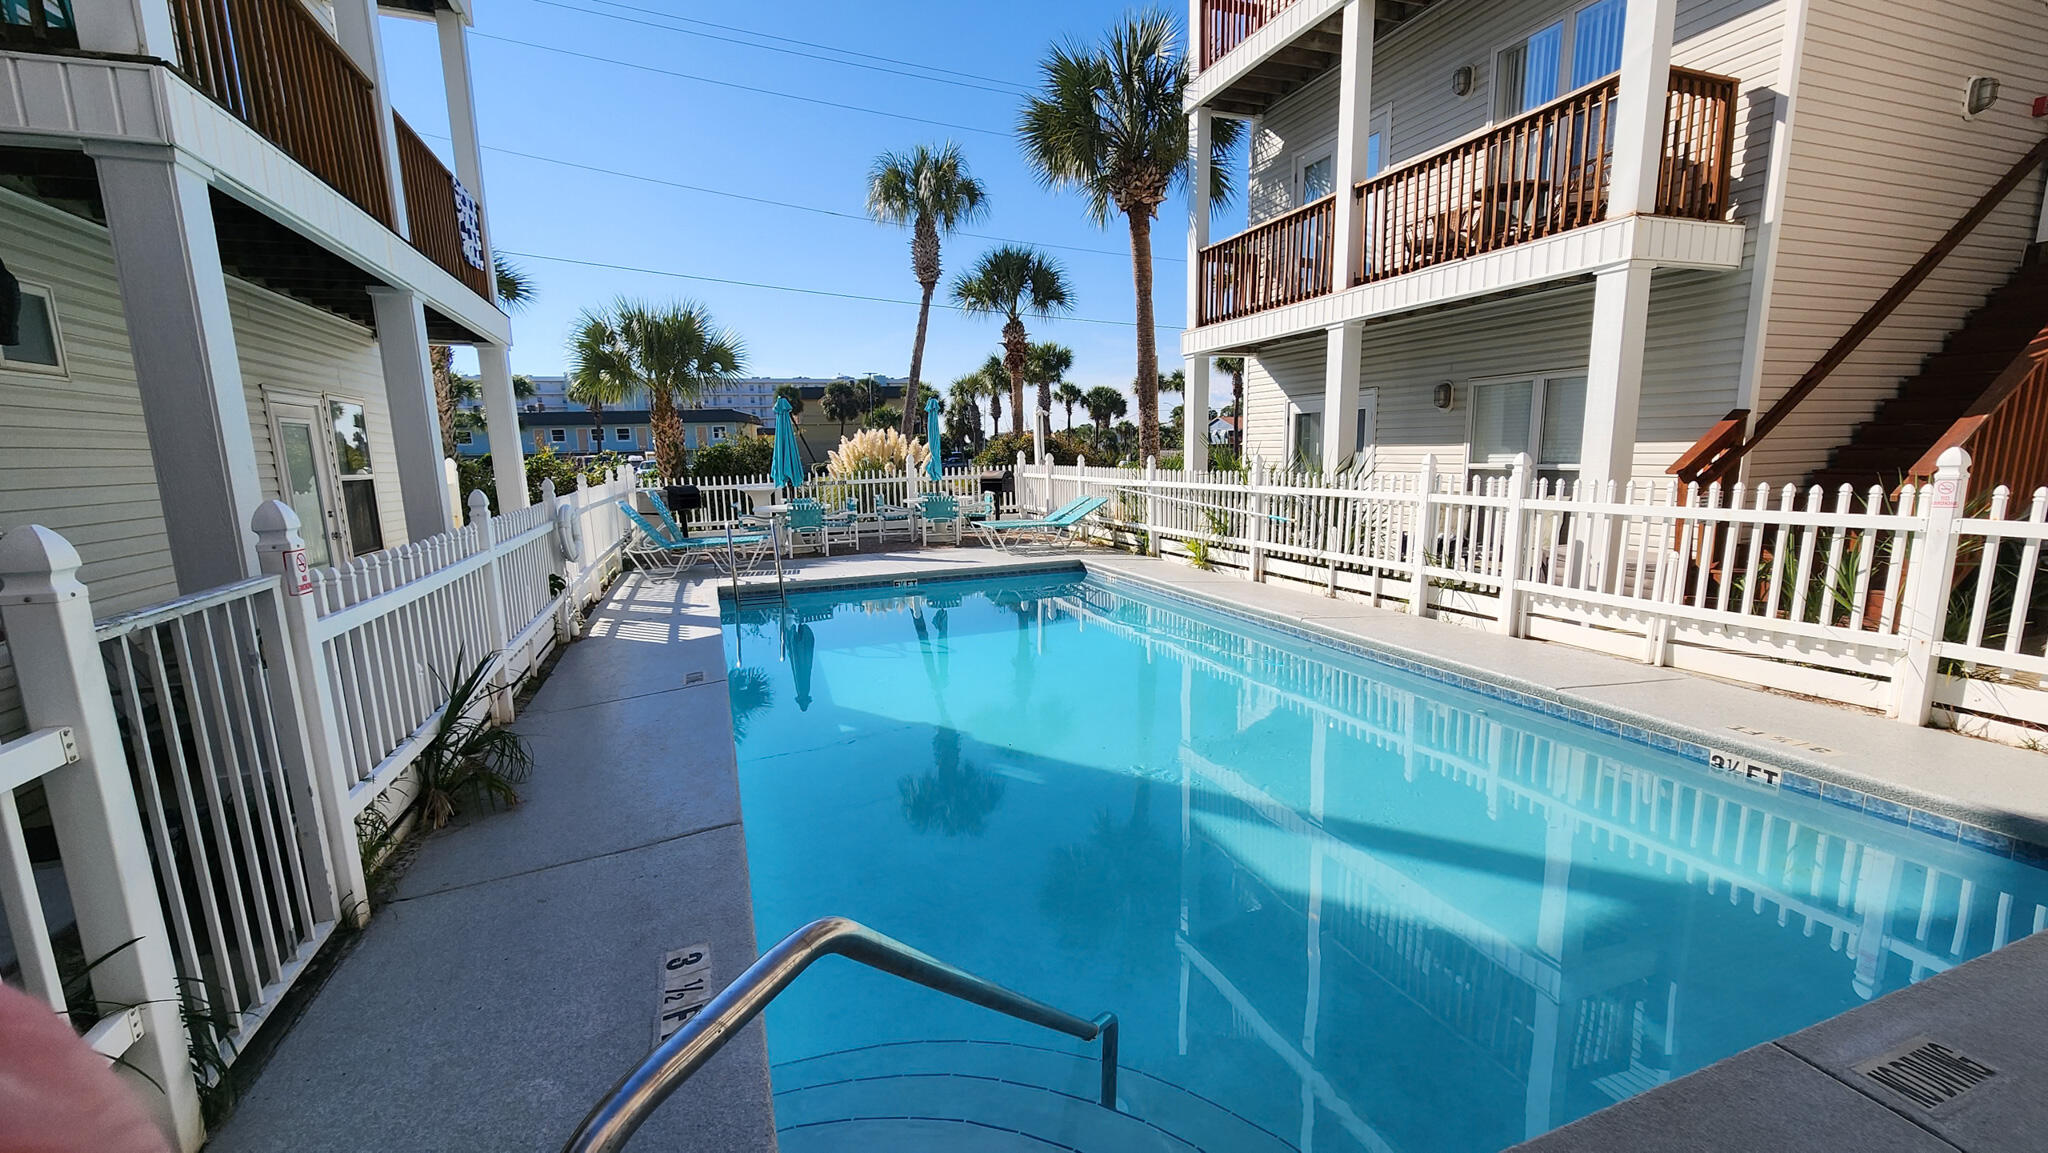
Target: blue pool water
x=1359, y=908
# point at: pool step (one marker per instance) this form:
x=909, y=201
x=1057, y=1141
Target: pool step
x=970, y=1096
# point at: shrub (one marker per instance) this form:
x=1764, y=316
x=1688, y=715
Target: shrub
x=547, y=464
x=1065, y=448
x=747, y=456
x=873, y=450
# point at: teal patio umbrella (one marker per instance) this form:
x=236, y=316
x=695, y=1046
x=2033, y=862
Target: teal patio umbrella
x=787, y=471
x=933, y=468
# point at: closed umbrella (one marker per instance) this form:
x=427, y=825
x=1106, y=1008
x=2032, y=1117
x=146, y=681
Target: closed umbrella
x=933, y=467
x=787, y=471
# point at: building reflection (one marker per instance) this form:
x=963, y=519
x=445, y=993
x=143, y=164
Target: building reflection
x=1457, y=927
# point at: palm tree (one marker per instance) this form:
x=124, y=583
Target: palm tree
x=963, y=411
x=1013, y=281
x=670, y=353
x=842, y=403
x=1108, y=122
x=601, y=371
x=1233, y=366
x=1046, y=364
x=1068, y=395
x=514, y=291
x=795, y=397
x=995, y=384
x=928, y=189
x=1104, y=404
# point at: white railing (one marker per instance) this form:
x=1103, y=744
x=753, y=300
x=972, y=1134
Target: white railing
x=728, y=499
x=1896, y=603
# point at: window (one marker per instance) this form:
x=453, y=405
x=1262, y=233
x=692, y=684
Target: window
x=1308, y=441
x=1544, y=416
x=1558, y=57
x=464, y=437
x=717, y=433
x=558, y=435
x=1318, y=177
x=623, y=434
x=39, y=348
x=352, y=469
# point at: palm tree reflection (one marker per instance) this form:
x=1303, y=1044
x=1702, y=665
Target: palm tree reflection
x=1110, y=883
x=750, y=693
x=954, y=799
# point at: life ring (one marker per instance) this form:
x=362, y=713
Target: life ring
x=568, y=533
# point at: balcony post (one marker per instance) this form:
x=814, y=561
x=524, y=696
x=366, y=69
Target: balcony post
x=182, y=336
x=1201, y=128
x=1342, y=364
x=355, y=26
x=1196, y=29
x=415, y=419
x=1194, y=417
x=1354, y=123
x=469, y=164
x=1614, y=374
x=1639, y=106
x=501, y=424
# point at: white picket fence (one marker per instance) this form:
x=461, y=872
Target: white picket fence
x=206, y=760
x=1914, y=604
x=727, y=499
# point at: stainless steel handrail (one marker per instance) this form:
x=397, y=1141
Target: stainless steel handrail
x=615, y=1119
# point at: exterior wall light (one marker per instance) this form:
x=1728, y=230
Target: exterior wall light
x=1442, y=396
x=1979, y=96
x=1461, y=81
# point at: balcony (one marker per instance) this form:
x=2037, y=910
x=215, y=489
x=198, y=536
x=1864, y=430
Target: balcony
x=1229, y=23
x=436, y=206
x=1539, y=175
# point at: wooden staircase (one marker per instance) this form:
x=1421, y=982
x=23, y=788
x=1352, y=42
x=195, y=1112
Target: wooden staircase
x=1884, y=449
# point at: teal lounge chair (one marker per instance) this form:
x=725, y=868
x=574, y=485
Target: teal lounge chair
x=1053, y=526
x=938, y=512
x=653, y=546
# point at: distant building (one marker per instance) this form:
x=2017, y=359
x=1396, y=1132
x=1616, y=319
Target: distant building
x=627, y=432
x=753, y=395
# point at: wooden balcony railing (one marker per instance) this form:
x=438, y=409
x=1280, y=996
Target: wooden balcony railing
x=272, y=65
x=37, y=24
x=1285, y=260
x=431, y=209
x=1543, y=173
x=1229, y=23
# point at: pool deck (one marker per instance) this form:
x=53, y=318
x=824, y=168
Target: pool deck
x=515, y=975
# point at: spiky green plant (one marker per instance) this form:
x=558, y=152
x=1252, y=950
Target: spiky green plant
x=467, y=757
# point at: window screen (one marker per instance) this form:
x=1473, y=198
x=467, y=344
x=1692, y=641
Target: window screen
x=1596, y=41
x=38, y=334
x=1564, y=420
x=1500, y=422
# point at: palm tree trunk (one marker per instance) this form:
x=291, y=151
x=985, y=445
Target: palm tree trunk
x=912, y=391
x=1237, y=406
x=670, y=453
x=1016, y=348
x=1148, y=337
x=441, y=359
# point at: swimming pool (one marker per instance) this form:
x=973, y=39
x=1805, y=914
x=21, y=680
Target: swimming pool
x=1355, y=906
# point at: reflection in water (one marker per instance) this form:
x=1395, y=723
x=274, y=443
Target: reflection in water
x=749, y=691
x=954, y=798
x=803, y=648
x=1358, y=909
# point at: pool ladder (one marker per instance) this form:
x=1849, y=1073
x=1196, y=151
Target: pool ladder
x=615, y=1119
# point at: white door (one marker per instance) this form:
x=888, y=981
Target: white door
x=306, y=479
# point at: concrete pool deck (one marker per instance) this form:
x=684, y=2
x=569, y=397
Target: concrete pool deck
x=514, y=977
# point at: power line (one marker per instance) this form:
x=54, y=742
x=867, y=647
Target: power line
x=805, y=43
x=1012, y=92
x=733, y=85
x=832, y=212
x=791, y=288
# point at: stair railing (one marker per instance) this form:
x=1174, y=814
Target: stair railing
x=1725, y=460
x=2004, y=429
x=622, y=1111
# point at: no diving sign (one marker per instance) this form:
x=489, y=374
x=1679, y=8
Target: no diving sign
x=685, y=989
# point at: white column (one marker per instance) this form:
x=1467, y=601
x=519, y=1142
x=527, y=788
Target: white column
x=355, y=26
x=501, y=421
x=469, y=163
x=1924, y=607
x=1639, y=106
x=1194, y=36
x=1342, y=363
x=175, y=299
x=415, y=421
x=1194, y=417
x=1614, y=373
x=139, y=29
x=1354, y=123
x=1201, y=137
x=48, y=620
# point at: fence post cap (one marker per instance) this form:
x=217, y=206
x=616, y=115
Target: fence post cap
x=1522, y=462
x=479, y=504
x=277, y=526
x=1954, y=459
x=547, y=489
x=37, y=565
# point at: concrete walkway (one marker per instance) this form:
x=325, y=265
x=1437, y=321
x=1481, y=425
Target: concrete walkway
x=516, y=974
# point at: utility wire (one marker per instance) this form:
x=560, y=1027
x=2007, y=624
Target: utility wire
x=832, y=212
x=733, y=85
x=807, y=43
x=1011, y=92
x=791, y=288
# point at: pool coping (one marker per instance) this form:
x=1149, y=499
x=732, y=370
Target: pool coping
x=1770, y=764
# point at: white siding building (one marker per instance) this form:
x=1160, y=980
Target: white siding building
x=1590, y=231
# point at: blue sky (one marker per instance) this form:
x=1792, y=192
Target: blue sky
x=586, y=109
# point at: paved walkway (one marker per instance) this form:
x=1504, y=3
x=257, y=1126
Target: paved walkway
x=515, y=975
